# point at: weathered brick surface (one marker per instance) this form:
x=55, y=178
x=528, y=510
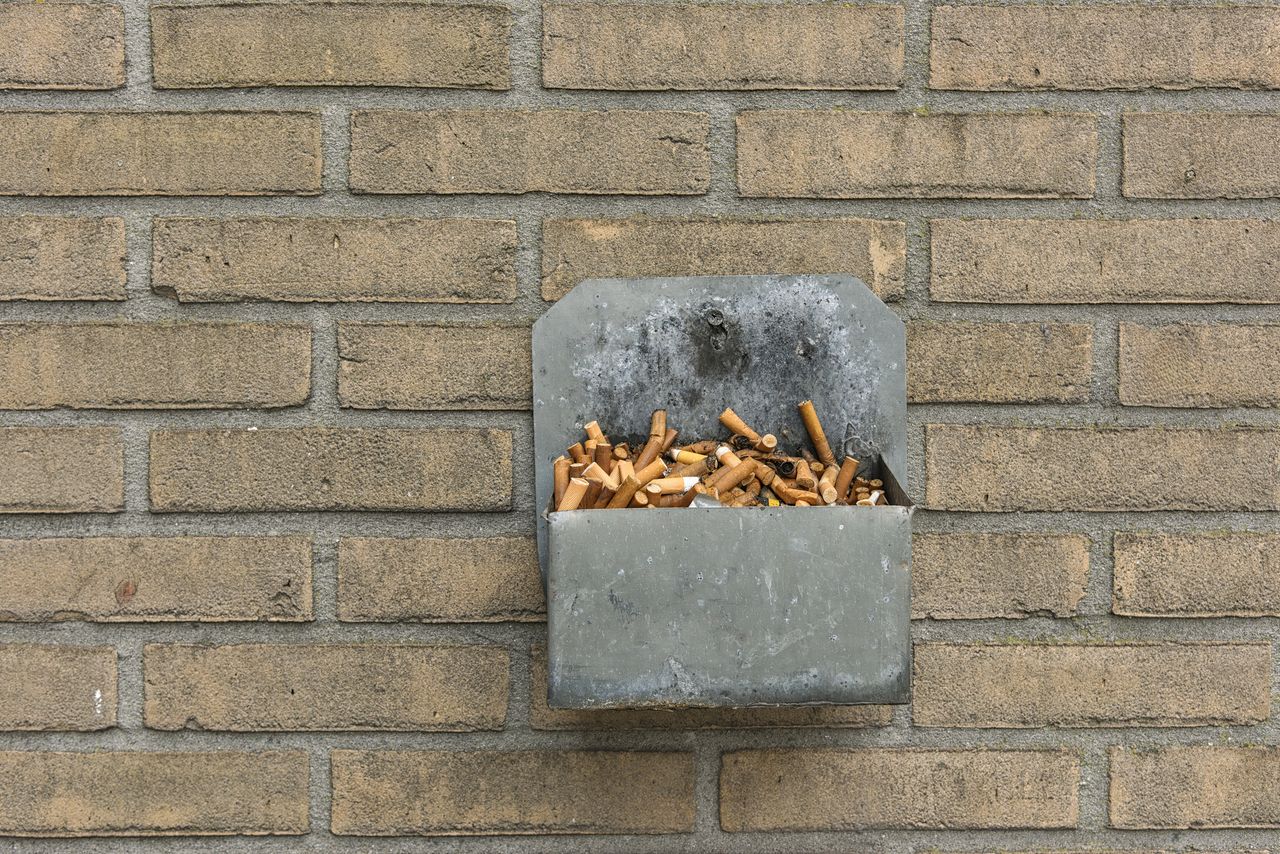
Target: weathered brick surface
x=1201, y=156
x=971, y=576
x=999, y=362
x=273, y=686
x=1103, y=47
x=57, y=687
x=322, y=468
x=159, y=154
x=1218, y=574
x=820, y=789
x=1083, y=685
x=394, y=579
x=118, y=793
x=1096, y=261
x=335, y=44
x=61, y=46
x=542, y=716
x=1199, y=364
x=61, y=470
x=463, y=793
x=320, y=259
x=61, y=258
x=721, y=46
x=152, y=579
x=420, y=366
x=1195, y=787
x=840, y=154
x=634, y=152
x=638, y=247
x=990, y=468
x=180, y=365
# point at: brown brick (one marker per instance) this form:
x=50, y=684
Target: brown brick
x=1218, y=574
x=543, y=717
x=1090, y=685
x=61, y=46
x=1199, y=364
x=331, y=44
x=61, y=470
x=1103, y=47
x=425, y=366
x=156, y=579
x=999, y=469
x=323, y=468
x=964, y=576
x=1195, y=787
x=721, y=46
x=764, y=790
x=335, y=260
x=121, y=365
x=284, y=687
x=61, y=258
x=1093, y=261
x=1201, y=156
x=159, y=154
x=118, y=793
x=578, y=249
x=466, y=793
x=839, y=154
x=57, y=687
x=461, y=580
x=999, y=362
x=634, y=152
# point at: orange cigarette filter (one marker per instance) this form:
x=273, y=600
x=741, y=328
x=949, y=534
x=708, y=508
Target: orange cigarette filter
x=804, y=476
x=624, y=469
x=593, y=472
x=827, y=485
x=622, y=452
x=622, y=498
x=669, y=439
x=651, y=451
x=603, y=499
x=730, y=419
x=739, y=474
x=844, y=478
x=670, y=485
x=594, y=488
x=707, y=446
x=604, y=455
x=639, y=500
x=573, y=494
x=578, y=453
x=658, y=424
x=679, y=456
x=814, y=427
x=655, y=469
x=560, y=469
x=768, y=443
x=594, y=431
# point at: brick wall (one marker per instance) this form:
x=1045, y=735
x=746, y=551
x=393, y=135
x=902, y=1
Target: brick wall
x=267, y=273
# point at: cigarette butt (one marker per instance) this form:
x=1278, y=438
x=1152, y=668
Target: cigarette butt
x=593, y=492
x=658, y=424
x=768, y=443
x=844, y=478
x=603, y=499
x=630, y=486
x=679, y=456
x=590, y=447
x=828, y=493
x=670, y=485
x=730, y=419
x=604, y=455
x=803, y=503
x=865, y=502
x=738, y=474
x=816, y=467
x=804, y=476
x=707, y=446
x=576, y=469
x=814, y=427
x=560, y=470
x=577, y=453
x=727, y=457
x=573, y=494
x=827, y=485
x=740, y=442
x=654, y=469
x=639, y=500
x=594, y=432
x=876, y=497
x=686, y=499
x=622, y=452
x=701, y=468
x=669, y=439
x=876, y=483
x=651, y=451
x=829, y=475
x=595, y=473
x=624, y=470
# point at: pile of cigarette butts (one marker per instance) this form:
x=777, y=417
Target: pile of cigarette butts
x=745, y=470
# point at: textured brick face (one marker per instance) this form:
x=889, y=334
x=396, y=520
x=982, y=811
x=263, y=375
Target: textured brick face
x=57, y=687
x=721, y=46
x=113, y=793
x=762, y=790
x=61, y=258
x=1103, y=47
x=465, y=793
x=335, y=260
x=523, y=151
x=61, y=470
x=1199, y=365
x=329, y=469
x=154, y=366
x=1201, y=156
x=159, y=154
x=991, y=685
x=574, y=250
x=145, y=579
x=847, y=155
x=1195, y=787
x=410, y=366
x=255, y=687
x=61, y=46
x=339, y=44
x=1219, y=574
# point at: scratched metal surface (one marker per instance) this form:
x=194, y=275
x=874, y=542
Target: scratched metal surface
x=718, y=606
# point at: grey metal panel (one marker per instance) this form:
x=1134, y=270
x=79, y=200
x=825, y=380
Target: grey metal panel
x=729, y=607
